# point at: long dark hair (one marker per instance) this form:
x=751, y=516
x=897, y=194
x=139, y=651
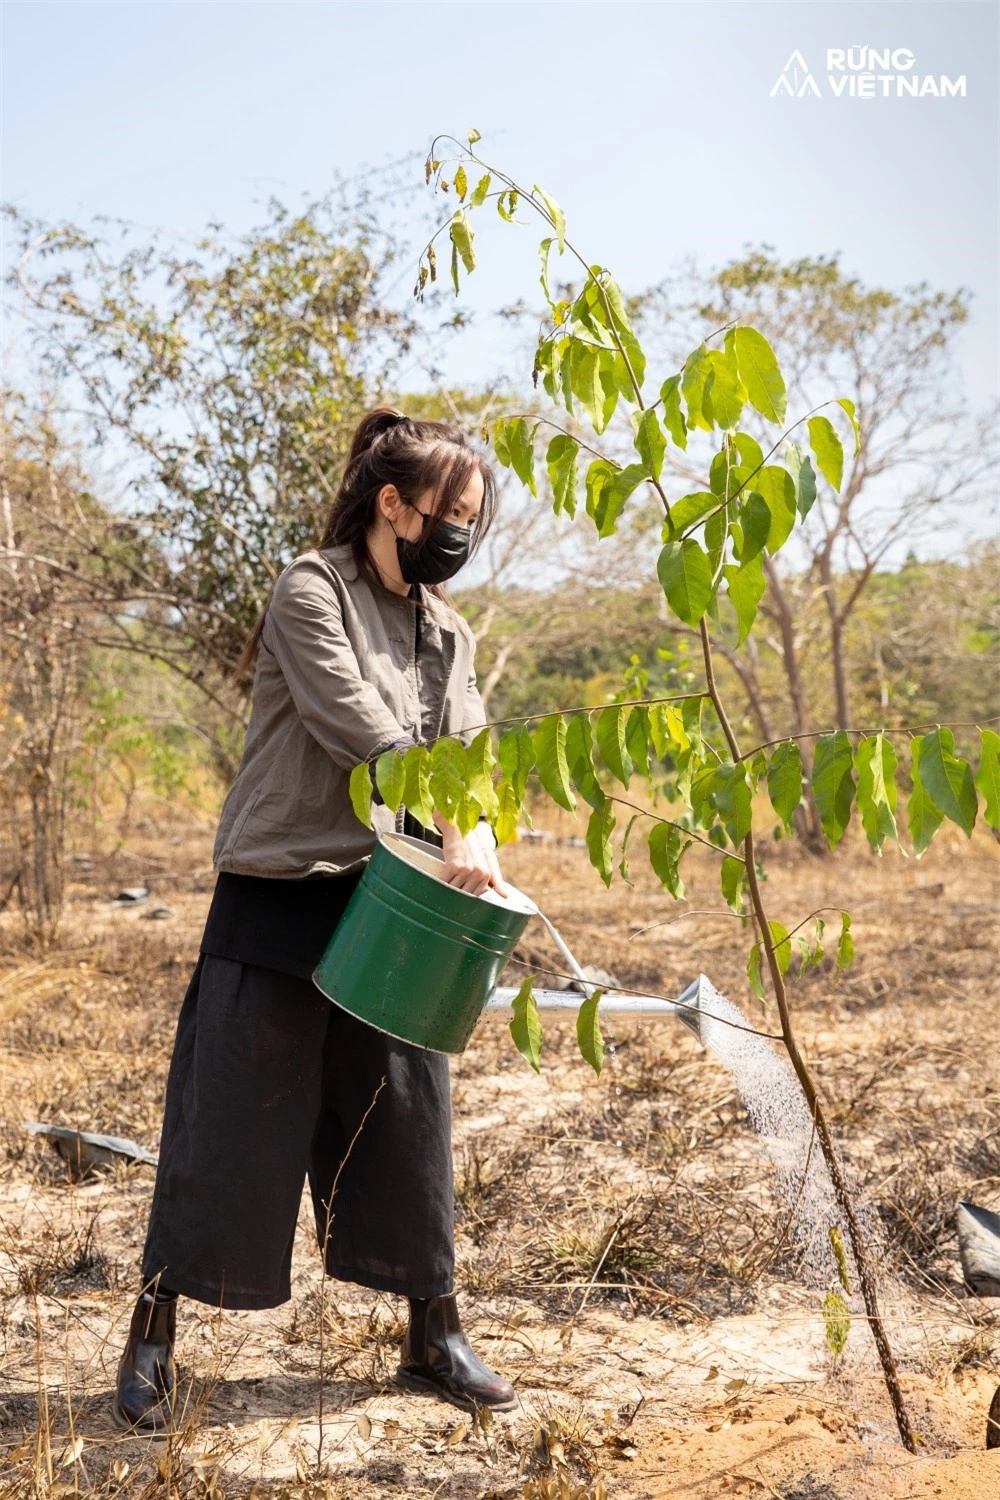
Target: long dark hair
x=418, y=458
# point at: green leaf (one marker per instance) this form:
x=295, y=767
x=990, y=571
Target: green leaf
x=988, y=776
x=651, y=442
x=778, y=489
x=732, y=798
x=610, y=733
x=580, y=759
x=848, y=406
x=716, y=536
x=556, y=214
x=948, y=780
x=784, y=780
x=516, y=448
x=480, y=191
x=833, y=784
x=611, y=374
x=751, y=454
x=755, y=523
x=501, y=447
x=923, y=817
x=461, y=239
x=614, y=497
x=623, y=868
x=516, y=754
x=508, y=810
x=600, y=473
x=746, y=589
x=665, y=851
x=726, y=475
x=623, y=328
x=673, y=417
x=804, y=477
x=694, y=377
x=417, y=784
x=588, y=1031
x=845, y=945
x=827, y=447
x=480, y=762
x=753, y=973
x=447, y=780
x=760, y=373
x=390, y=778
x=600, y=827
x=561, y=461
x=691, y=717
x=637, y=733
x=360, y=790
x=549, y=741
x=687, y=511
x=686, y=579
x=733, y=878
x=725, y=391
x=875, y=763
x=781, y=944
x=525, y=1026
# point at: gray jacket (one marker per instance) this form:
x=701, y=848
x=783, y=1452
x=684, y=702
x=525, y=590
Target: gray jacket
x=337, y=681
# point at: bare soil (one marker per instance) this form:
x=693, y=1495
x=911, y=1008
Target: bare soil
x=622, y=1255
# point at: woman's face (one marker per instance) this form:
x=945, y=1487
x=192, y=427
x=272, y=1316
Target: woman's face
x=407, y=520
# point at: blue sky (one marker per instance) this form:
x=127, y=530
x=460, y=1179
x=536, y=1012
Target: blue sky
x=651, y=123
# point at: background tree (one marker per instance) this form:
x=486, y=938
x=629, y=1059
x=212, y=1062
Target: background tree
x=226, y=378
x=923, y=467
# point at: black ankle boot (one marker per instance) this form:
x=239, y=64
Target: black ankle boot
x=144, y=1397
x=993, y=1421
x=436, y=1356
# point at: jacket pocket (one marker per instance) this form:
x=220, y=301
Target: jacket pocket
x=240, y=824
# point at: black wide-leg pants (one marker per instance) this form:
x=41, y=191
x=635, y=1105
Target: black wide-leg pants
x=269, y=1083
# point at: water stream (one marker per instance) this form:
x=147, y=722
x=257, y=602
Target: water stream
x=773, y=1099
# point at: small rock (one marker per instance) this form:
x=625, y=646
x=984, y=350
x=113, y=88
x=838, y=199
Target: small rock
x=132, y=895
x=158, y=914
x=979, y=1248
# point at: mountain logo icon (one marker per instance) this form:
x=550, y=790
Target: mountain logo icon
x=795, y=79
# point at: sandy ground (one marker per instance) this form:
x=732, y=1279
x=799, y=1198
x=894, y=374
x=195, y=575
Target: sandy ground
x=622, y=1254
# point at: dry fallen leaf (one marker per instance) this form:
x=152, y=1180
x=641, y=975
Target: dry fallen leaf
x=71, y=1453
x=363, y=1425
x=460, y=1433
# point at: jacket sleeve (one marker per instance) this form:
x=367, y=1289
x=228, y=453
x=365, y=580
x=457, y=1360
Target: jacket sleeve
x=304, y=631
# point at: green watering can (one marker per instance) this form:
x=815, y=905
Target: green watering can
x=414, y=956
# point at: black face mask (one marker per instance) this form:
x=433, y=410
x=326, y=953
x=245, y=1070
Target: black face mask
x=435, y=557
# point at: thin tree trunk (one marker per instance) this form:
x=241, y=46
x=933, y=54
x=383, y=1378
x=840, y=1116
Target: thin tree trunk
x=859, y=1250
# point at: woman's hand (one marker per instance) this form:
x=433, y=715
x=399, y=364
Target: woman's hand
x=470, y=863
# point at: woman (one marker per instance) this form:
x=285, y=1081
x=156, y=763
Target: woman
x=269, y=1083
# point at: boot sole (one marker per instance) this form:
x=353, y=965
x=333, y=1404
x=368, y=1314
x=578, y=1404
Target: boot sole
x=123, y=1420
x=421, y=1384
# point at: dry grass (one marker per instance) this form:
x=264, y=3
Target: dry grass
x=618, y=1239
